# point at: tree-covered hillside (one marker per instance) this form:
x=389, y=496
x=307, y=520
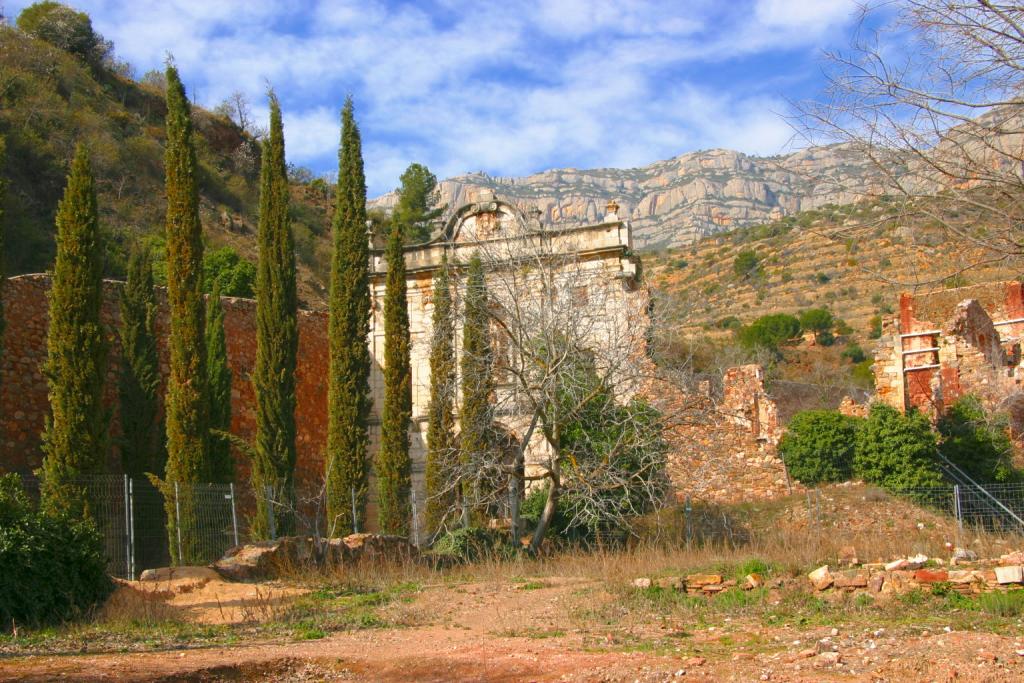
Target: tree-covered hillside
x=51, y=99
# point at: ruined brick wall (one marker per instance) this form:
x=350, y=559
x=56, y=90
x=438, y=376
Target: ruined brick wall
x=942, y=345
x=23, y=389
x=725, y=451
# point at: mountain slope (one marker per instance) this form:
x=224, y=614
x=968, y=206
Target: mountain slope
x=676, y=201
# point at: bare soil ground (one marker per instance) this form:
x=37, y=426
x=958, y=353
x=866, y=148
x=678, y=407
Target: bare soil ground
x=551, y=630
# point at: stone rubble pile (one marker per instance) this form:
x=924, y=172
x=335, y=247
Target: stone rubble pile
x=269, y=559
x=964, y=572
x=705, y=584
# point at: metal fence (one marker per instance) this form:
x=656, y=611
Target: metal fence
x=131, y=516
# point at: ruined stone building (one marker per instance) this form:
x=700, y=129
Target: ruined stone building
x=605, y=287
x=945, y=344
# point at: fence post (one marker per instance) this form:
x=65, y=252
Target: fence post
x=355, y=522
x=268, y=491
x=234, y=515
x=958, y=509
x=177, y=519
x=686, y=520
x=415, y=518
x=127, y=533
x=131, y=524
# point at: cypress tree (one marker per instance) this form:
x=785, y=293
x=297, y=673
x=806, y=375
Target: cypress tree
x=218, y=381
x=393, y=468
x=142, y=440
x=75, y=440
x=187, y=407
x=277, y=339
x=348, y=396
x=441, y=411
x=477, y=379
x=3, y=277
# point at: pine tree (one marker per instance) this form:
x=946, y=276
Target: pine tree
x=277, y=340
x=441, y=411
x=477, y=379
x=416, y=208
x=393, y=468
x=142, y=441
x=187, y=407
x=218, y=382
x=75, y=441
x=348, y=397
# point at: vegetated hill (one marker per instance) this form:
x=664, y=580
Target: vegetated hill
x=811, y=260
x=51, y=100
x=676, y=201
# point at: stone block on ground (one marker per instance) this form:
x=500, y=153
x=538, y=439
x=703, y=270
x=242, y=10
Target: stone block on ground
x=701, y=580
x=266, y=559
x=1008, y=575
x=821, y=578
x=931, y=575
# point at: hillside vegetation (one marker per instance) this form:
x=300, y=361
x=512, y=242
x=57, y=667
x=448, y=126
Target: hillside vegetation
x=50, y=100
x=823, y=258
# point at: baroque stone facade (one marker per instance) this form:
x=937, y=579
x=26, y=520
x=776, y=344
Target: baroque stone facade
x=945, y=344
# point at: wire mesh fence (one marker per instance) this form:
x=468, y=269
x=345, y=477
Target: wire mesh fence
x=131, y=515
x=141, y=527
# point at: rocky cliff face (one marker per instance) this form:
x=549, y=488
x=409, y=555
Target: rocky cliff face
x=679, y=200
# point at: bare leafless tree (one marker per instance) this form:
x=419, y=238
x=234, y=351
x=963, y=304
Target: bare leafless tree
x=569, y=338
x=930, y=92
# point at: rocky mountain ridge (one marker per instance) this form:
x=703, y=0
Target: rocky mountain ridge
x=679, y=200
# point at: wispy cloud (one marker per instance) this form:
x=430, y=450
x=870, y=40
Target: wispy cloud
x=509, y=88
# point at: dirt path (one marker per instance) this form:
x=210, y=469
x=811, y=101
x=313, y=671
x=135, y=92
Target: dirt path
x=489, y=632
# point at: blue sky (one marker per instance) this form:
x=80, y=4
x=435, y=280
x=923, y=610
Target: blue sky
x=509, y=88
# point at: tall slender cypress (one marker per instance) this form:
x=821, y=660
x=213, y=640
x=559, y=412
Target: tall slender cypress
x=142, y=439
x=441, y=411
x=277, y=340
x=392, y=467
x=348, y=398
x=3, y=230
x=218, y=381
x=187, y=406
x=477, y=380
x=75, y=440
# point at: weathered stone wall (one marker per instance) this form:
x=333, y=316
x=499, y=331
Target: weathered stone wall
x=23, y=390
x=725, y=451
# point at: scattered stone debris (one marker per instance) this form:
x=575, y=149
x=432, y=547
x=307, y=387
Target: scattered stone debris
x=268, y=559
x=907, y=573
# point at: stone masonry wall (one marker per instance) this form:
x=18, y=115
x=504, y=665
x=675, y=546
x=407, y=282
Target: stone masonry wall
x=23, y=389
x=725, y=451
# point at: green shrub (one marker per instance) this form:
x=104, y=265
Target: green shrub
x=862, y=373
x=897, y=451
x=769, y=331
x=747, y=265
x=821, y=278
x=977, y=443
x=470, y=544
x=235, y=275
x=854, y=353
x=875, y=327
x=51, y=567
x=818, y=446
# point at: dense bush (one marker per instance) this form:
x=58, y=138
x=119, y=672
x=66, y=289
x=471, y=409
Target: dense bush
x=769, y=331
x=977, y=443
x=51, y=568
x=64, y=28
x=854, y=353
x=897, y=451
x=747, y=265
x=818, y=446
x=470, y=544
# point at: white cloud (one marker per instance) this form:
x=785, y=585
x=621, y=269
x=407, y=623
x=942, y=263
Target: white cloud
x=510, y=88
